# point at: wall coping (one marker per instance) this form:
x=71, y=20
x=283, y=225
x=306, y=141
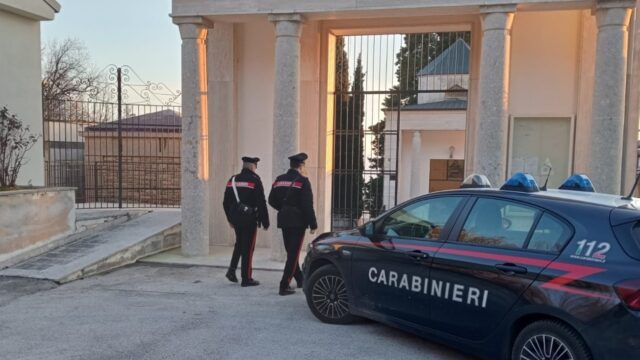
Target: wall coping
x=36, y=190
x=331, y=9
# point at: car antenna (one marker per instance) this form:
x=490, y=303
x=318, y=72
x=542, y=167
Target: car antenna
x=544, y=187
x=635, y=184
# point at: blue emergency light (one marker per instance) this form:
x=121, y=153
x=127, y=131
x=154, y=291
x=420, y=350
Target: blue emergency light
x=475, y=181
x=521, y=182
x=578, y=182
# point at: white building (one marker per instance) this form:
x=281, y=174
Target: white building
x=258, y=78
x=432, y=131
x=20, y=71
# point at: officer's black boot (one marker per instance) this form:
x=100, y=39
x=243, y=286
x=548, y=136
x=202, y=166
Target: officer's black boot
x=250, y=282
x=299, y=281
x=286, y=290
x=231, y=275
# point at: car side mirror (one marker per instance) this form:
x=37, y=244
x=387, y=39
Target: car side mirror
x=368, y=229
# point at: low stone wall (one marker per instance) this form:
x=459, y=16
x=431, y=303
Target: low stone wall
x=145, y=180
x=30, y=218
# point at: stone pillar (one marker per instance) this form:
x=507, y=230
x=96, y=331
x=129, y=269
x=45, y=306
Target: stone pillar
x=416, y=161
x=195, y=137
x=286, y=101
x=493, y=93
x=605, y=148
x=223, y=128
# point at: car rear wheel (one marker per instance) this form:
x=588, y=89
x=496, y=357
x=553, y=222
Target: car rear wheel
x=549, y=340
x=327, y=296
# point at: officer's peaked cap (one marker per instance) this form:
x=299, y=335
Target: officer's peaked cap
x=253, y=160
x=301, y=157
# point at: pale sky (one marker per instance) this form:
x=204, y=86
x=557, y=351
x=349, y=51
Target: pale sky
x=138, y=33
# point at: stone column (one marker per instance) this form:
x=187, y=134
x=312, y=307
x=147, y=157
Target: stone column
x=493, y=93
x=223, y=130
x=416, y=161
x=605, y=150
x=286, y=101
x=195, y=137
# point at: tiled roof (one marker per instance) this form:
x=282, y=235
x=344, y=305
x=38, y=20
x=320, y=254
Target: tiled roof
x=454, y=60
x=161, y=121
x=450, y=104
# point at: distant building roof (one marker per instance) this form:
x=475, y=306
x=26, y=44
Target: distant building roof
x=449, y=104
x=454, y=60
x=161, y=121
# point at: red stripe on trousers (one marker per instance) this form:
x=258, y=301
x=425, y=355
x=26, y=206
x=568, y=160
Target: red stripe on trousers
x=295, y=266
x=253, y=245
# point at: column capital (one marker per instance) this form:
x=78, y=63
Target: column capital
x=292, y=17
x=616, y=13
x=609, y=4
x=497, y=20
x=287, y=25
x=193, y=27
x=500, y=8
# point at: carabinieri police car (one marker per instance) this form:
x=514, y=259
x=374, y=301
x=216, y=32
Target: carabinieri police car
x=515, y=273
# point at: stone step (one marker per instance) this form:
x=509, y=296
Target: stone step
x=101, y=251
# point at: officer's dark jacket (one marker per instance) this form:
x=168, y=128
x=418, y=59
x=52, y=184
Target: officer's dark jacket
x=251, y=193
x=300, y=197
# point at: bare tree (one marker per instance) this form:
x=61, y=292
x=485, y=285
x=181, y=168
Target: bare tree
x=66, y=73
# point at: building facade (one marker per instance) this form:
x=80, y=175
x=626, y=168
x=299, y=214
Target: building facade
x=259, y=79
x=20, y=70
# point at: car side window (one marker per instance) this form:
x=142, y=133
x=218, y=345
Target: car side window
x=550, y=235
x=498, y=223
x=424, y=219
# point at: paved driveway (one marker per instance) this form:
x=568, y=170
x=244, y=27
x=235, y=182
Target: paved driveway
x=161, y=312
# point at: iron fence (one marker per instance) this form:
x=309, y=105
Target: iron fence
x=119, y=146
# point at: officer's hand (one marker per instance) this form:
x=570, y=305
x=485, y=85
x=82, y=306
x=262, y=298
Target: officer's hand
x=266, y=228
x=313, y=231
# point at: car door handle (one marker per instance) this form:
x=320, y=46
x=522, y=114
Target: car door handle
x=511, y=269
x=418, y=255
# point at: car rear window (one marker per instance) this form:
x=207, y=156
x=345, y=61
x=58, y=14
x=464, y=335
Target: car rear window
x=628, y=236
x=550, y=235
x=632, y=246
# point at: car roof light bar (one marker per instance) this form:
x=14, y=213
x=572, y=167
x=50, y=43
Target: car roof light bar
x=521, y=182
x=475, y=181
x=578, y=182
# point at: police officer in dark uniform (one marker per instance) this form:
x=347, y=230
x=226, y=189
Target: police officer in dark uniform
x=291, y=195
x=246, y=210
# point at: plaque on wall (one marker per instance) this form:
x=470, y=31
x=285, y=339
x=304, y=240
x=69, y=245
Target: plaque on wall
x=455, y=169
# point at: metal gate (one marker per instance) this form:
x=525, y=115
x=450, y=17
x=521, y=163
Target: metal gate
x=378, y=78
x=119, y=146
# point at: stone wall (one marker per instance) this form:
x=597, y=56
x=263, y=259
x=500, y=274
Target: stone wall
x=145, y=180
x=32, y=217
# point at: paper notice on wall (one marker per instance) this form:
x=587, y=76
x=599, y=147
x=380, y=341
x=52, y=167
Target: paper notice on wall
x=517, y=166
x=531, y=165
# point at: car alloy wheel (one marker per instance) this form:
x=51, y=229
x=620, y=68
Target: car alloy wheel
x=329, y=296
x=549, y=340
x=545, y=347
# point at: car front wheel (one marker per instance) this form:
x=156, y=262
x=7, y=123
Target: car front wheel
x=327, y=296
x=549, y=340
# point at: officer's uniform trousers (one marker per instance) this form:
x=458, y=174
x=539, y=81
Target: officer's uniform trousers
x=244, y=247
x=293, y=238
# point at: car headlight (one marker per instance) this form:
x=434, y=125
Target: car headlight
x=323, y=248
